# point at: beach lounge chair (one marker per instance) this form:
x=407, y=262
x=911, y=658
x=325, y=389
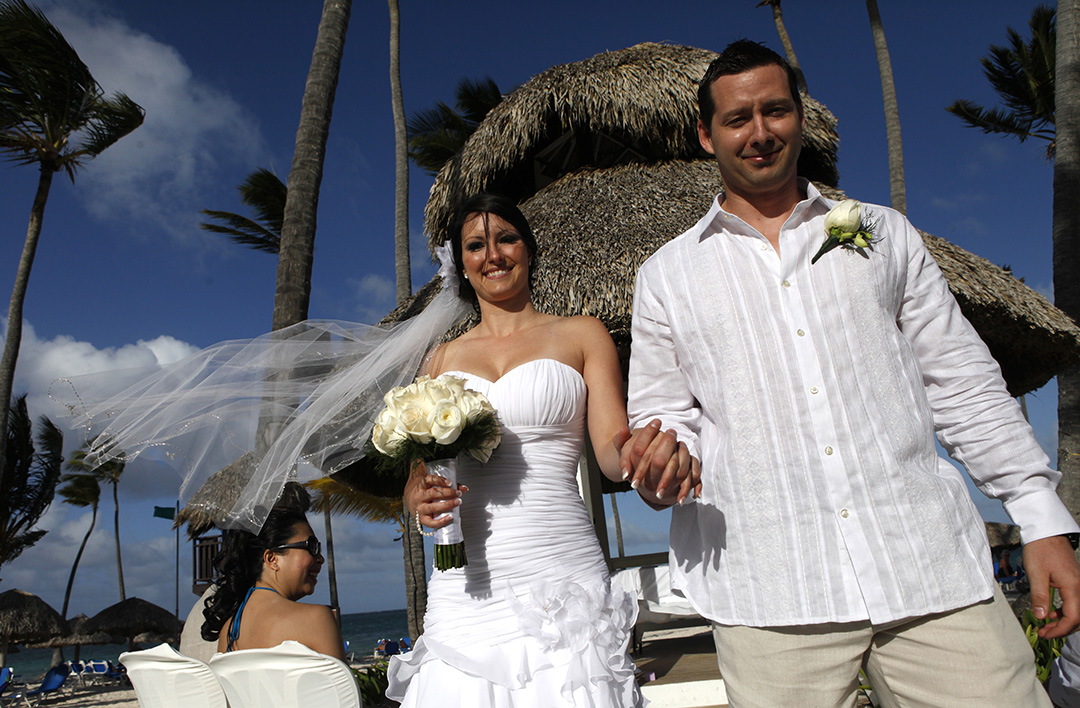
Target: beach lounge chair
x=5, y=681
x=52, y=683
x=288, y=676
x=165, y=678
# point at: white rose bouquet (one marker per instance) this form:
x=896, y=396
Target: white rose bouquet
x=435, y=419
x=847, y=226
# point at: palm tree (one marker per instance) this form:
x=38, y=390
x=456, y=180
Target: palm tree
x=108, y=472
x=789, y=48
x=897, y=190
x=401, y=163
x=1022, y=74
x=1066, y=228
x=437, y=134
x=264, y=192
x=333, y=496
x=29, y=482
x=293, y=290
x=53, y=115
x=79, y=490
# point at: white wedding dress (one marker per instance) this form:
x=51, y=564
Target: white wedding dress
x=531, y=621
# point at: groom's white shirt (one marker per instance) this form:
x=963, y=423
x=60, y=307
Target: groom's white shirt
x=811, y=395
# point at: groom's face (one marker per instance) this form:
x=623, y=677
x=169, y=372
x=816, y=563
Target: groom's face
x=755, y=132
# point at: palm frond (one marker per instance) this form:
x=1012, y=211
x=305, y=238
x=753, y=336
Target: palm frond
x=242, y=230
x=80, y=490
x=340, y=498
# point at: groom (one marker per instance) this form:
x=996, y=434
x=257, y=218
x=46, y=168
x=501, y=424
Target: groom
x=829, y=535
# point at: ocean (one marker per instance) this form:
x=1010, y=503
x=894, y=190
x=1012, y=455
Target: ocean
x=362, y=631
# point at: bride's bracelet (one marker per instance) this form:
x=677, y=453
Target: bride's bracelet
x=420, y=528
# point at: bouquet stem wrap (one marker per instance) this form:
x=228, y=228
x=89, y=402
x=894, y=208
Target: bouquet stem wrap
x=449, y=541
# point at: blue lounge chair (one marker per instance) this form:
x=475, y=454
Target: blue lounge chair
x=5, y=681
x=52, y=683
x=406, y=644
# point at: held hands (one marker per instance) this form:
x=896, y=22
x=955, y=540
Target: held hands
x=430, y=496
x=1051, y=563
x=658, y=466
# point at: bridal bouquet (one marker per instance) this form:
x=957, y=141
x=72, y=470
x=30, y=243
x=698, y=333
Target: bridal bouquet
x=435, y=420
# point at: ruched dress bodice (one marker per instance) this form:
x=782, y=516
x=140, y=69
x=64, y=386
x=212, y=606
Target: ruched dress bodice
x=531, y=620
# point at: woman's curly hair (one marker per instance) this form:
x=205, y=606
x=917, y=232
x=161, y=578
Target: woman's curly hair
x=240, y=564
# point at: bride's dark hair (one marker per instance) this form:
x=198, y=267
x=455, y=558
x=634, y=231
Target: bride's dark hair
x=240, y=563
x=501, y=207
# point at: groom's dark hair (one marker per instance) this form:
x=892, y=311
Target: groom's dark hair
x=739, y=56
x=480, y=204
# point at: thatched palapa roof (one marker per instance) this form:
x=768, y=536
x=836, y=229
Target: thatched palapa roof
x=134, y=616
x=209, y=506
x=633, y=105
x=603, y=157
x=25, y=617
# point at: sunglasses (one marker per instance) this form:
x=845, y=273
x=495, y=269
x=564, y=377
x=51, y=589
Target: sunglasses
x=311, y=545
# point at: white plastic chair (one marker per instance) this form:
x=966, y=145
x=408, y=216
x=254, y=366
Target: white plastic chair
x=288, y=676
x=165, y=678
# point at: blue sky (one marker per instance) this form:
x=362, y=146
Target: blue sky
x=124, y=277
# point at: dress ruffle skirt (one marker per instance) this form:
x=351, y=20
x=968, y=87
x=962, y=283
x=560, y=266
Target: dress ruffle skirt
x=532, y=621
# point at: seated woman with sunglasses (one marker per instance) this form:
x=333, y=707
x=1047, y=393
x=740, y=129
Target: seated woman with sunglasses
x=255, y=605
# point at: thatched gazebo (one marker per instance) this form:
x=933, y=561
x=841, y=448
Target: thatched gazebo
x=25, y=617
x=209, y=505
x=603, y=157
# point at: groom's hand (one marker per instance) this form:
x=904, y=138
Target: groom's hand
x=658, y=466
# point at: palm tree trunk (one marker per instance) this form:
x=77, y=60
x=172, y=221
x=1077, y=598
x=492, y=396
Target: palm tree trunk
x=293, y=290
x=415, y=578
x=892, y=111
x=18, y=297
x=402, y=265
x=1066, y=240
x=116, y=532
x=58, y=654
x=789, y=48
x=618, y=525
x=331, y=570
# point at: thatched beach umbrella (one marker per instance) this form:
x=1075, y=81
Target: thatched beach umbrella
x=551, y=145
x=76, y=636
x=132, y=617
x=25, y=617
x=1001, y=535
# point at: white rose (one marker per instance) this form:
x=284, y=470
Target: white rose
x=413, y=420
x=471, y=404
x=446, y=423
x=385, y=435
x=456, y=384
x=846, y=216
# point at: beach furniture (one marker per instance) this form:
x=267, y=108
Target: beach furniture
x=5, y=681
x=165, y=678
x=288, y=676
x=52, y=683
x=101, y=672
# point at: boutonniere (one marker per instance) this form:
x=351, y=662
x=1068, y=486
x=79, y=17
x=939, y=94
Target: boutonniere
x=847, y=226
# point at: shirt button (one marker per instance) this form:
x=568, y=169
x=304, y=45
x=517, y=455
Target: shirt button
x=844, y=513
x=800, y=333
x=828, y=451
x=786, y=284
x=764, y=247
x=813, y=389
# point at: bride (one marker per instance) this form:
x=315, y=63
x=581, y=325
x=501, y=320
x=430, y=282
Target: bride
x=532, y=619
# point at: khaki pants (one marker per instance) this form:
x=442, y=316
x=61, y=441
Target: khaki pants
x=974, y=657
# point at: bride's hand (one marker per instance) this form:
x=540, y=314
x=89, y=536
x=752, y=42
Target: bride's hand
x=430, y=496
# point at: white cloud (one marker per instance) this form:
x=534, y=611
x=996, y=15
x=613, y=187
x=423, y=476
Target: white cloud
x=158, y=177
x=375, y=297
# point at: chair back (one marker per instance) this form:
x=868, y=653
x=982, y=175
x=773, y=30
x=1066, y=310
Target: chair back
x=165, y=678
x=54, y=679
x=288, y=676
x=5, y=678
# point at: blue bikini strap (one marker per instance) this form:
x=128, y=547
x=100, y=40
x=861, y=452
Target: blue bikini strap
x=234, y=630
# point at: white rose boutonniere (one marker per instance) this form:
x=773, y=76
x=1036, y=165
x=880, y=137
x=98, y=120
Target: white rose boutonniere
x=846, y=225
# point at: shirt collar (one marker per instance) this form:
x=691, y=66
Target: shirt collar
x=718, y=220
